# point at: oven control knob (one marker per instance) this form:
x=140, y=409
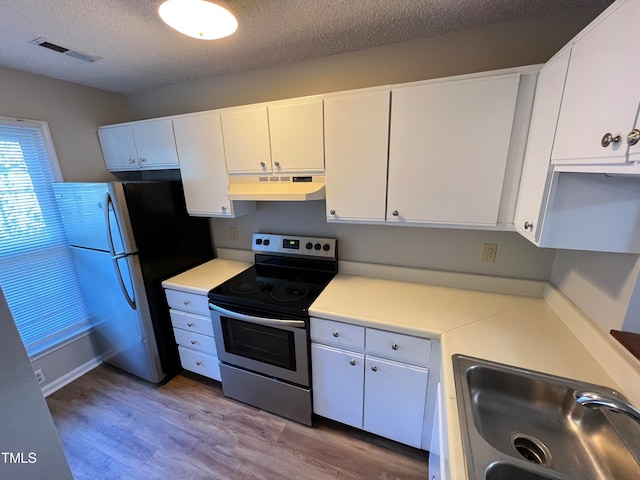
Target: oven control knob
x=326, y=247
x=266, y=241
x=317, y=246
x=309, y=245
x=258, y=241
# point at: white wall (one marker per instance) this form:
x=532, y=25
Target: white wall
x=603, y=285
x=73, y=113
x=432, y=248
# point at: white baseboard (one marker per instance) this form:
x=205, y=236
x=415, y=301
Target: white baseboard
x=69, y=377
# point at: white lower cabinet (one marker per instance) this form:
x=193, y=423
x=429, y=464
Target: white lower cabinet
x=394, y=397
x=438, y=448
x=193, y=332
x=370, y=379
x=338, y=378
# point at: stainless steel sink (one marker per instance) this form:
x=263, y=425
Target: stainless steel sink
x=521, y=424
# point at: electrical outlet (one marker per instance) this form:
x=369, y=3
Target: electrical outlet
x=489, y=252
x=233, y=233
x=40, y=376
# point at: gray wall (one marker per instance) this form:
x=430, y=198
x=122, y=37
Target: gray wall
x=432, y=248
x=73, y=113
x=524, y=42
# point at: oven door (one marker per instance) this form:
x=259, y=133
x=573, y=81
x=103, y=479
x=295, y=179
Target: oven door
x=268, y=346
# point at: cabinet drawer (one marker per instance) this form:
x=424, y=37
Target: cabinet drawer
x=199, y=362
x=337, y=333
x=397, y=346
x=197, y=341
x=192, y=323
x=188, y=302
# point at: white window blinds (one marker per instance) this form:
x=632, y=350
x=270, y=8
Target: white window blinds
x=37, y=272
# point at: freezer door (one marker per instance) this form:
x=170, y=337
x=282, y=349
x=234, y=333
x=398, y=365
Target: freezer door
x=124, y=336
x=83, y=208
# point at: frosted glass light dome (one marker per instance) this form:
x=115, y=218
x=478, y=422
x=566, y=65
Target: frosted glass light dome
x=198, y=18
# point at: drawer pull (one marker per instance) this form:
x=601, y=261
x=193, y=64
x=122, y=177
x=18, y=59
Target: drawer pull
x=352, y=362
x=190, y=324
x=186, y=302
x=198, y=362
x=336, y=334
x=394, y=346
x=193, y=342
x=374, y=368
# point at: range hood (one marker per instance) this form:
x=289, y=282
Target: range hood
x=276, y=188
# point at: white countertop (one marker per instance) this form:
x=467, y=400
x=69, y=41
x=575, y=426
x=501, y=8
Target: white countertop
x=517, y=330
x=412, y=308
x=204, y=277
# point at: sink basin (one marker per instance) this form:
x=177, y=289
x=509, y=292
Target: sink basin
x=521, y=424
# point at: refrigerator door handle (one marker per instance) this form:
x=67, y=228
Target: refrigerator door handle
x=107, y=221
x=112, y=250
x=130, y=300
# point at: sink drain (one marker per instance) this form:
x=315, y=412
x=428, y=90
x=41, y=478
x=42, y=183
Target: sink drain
x=531, y=449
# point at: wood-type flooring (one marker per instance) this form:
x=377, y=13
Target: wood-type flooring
x=115, y=426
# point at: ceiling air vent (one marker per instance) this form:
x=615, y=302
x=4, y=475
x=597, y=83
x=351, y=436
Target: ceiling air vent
x=85, y=57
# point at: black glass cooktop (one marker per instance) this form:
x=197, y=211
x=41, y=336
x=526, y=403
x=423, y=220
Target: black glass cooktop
x=273, y=287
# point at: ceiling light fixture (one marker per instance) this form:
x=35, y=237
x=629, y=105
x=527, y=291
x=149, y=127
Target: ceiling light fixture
x=198, y=18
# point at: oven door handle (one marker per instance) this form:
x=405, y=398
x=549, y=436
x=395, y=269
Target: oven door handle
x=270, y=322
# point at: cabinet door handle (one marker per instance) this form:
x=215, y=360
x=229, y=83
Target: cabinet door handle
x=262, y=164
x=132, y=160
x=608, y=139
x=332, y=212
x=633, y=137
x=190, y=324
x=352, y=362
x=277, y=164
x=395, y=213
x=143, y=160
x=223, y=208
x=336, y=334
x=186, y=302
x=394, y=346
x=528, y=226
x=374, y=368
x=198, y=363
x=193, y=342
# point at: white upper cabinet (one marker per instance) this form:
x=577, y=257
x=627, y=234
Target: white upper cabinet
x=602, y=93
x=246, y=140
x=448, y=150
x=296, y=132
x=139, y=145
x=276, y=138
x=537, y=171
x=202, y=166
x=356, y=126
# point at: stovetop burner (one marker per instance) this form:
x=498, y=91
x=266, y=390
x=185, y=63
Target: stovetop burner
x=246, y=286
x=289, y=292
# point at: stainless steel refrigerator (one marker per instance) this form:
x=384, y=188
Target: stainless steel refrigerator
x=126, y=238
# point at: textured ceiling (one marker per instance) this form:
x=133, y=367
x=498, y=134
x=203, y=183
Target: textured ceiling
x=139, y=52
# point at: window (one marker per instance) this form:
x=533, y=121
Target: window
x=37, y=273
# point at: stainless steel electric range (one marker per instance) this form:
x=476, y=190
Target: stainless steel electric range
x=261, y=323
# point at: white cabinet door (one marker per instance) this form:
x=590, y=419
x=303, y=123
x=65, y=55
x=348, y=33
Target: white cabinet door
x=338, y=379
x=118, y=148
x=155, y=144
x=394, y=399
x=296, y=134
x=602, y=92
x=246, y=140
x=448, y=150
x=536, y=171
x=202, y=164
x=356, y=128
